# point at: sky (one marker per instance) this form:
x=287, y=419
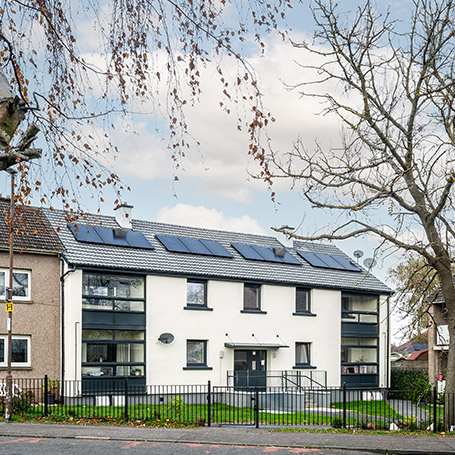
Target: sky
x=215, y=188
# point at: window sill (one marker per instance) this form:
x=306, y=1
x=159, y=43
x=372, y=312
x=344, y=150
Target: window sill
x=303, y=367
x=252, y=311
x=13, y=367
x=197, y=367
x=305, y=313
x=17, y=301
x=197, y=308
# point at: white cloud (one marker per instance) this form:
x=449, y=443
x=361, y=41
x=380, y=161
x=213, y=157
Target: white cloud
x=203, y=217
x=221, y=165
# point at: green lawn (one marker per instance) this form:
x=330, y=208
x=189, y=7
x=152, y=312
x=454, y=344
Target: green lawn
x=378, y=408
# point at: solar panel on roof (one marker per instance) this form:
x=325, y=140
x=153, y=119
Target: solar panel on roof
x=173, y=244
x=83, y=233
x=327, y=261
x=346, y=263
x=247, y=251
x=216, y=248
x=138, y=240
x=108, y=236
x=263, y=253
x=194, y=246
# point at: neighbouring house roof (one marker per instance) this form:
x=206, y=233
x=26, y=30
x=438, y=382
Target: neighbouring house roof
x=405, y=350
x=418, y=355
x=33, y=231
x=437, y=297
x=160, y=260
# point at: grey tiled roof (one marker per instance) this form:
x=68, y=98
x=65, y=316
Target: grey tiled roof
x=32, y=230
x=160, y=260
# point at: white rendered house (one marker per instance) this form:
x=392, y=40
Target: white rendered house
x=165, y=304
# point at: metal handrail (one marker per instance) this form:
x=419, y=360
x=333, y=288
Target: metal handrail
x=290, y=377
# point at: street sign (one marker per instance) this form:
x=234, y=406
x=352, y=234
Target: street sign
x=9, y=306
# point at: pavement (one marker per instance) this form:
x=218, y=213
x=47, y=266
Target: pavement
x=236, y=435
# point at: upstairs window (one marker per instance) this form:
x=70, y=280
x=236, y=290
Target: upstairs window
x=302, y=301
x=361, y=308
x=21, y=284
x=196, y=293
x=113, y=292
x=251, y=297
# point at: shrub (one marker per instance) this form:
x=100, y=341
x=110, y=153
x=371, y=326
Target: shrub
x=22, y=402
x=414, y=383
x=337, y=422
x=176, y=407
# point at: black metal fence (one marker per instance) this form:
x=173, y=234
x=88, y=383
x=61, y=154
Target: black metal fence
x=206, y=404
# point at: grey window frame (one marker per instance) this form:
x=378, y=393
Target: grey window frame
x=257, y=309
x=299, y=364
x=115, y=300
x=197, y=365
x=196, y=306
x=300, y=312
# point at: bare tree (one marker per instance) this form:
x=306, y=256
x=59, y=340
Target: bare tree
x=415, y=284
x=76, y=65
x=393, y=177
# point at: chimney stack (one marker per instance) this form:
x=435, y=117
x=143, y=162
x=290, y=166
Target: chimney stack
x=284, y=239
x=124, y=215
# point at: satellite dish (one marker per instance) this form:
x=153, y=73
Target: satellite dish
x=369, y=263
x=166, y=338
x=358, y=254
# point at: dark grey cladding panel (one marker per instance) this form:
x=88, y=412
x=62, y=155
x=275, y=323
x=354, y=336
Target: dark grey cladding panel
x=160, y=260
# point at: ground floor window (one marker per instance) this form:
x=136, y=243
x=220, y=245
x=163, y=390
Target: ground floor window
x=113, y=352
x=196, y=353
x=302, y=354
x=20, y=351
x=360, y=361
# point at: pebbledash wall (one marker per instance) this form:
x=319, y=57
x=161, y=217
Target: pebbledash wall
x=36, y=318
x=36, y=295
x=222, y=325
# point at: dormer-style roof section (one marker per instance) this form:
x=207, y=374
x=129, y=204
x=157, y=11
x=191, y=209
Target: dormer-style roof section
x=33, y=232
x=211, y=254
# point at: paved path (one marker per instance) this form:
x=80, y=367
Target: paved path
x=46, y=446
x=406, y=408
x=387, y=443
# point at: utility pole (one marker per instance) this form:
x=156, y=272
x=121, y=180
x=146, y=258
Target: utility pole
x=9, y=305
x=12, y=112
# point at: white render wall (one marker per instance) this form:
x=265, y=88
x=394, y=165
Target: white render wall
x=166, y=299
x=384, y=346
x=72, y=325
x=165, y=302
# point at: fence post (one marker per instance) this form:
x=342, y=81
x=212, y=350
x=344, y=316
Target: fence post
x=209, y=404
x=256, y=406
x=344, y=405
x=435, y=410
x=126, y=399
x=45, y=387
